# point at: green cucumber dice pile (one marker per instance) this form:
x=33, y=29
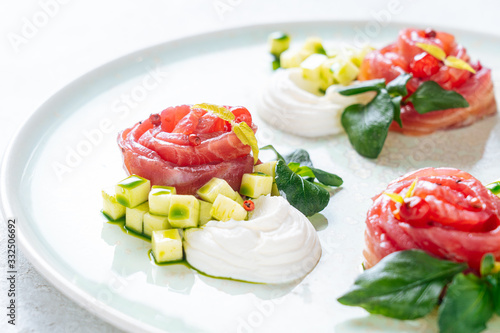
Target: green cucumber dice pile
x=322, y=67
x=160, y=214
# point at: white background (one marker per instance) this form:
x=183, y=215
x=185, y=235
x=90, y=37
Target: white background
x=81, y=35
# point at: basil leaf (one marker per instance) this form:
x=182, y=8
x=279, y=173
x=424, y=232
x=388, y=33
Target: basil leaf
x=396, y=103
x=304, y=195
x=398, y=85
x=487, y=264
x=299, y=156
x=467, y=306
x=431, y=97
x=494, y=281
x=327, y=178
x=271, y=147
x=367, y=125
x=403, y=285
x=361, y=87
x=304, y=171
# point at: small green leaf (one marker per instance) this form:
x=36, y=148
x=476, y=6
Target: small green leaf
x=398, y=85
x=467, y=306
x=271, y=147
x=361, y=87
x=306, y=196
x=403, y=285
x=327, y=178
x=494, y=187
x=219, y=111
x=487, y=264
x=247, y=137
x=396, y=102
x=303, y=171
x=494, y=281
x=431, y=97
x=367, y=125
x=300, y=156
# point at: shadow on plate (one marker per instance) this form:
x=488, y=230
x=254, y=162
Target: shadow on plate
x=458, y=148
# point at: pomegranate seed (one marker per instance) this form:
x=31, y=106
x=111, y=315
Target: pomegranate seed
x=155, y=119
x=194, y=140
x=248, y=205
x=430, y=33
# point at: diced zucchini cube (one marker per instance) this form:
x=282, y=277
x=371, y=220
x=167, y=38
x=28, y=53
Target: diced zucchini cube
x=134, y=217
x=225, y=209
x=205, y=215
x=110, y=207
x=293, y=58
x=132, y=191
x=345, y=72
x=159, y=199
x=358, y=56
x=311, y=67
x=214, y=187
x=184, y=211
x=166, y=245
x=154, y=222
x=255, y=184
x=239, y=199
x=326, y=74
x=269, y=168
x=278, y=43
x=314, y=45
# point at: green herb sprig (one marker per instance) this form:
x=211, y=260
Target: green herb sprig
x=409, y=285
x=296, y=180
x=367, y=125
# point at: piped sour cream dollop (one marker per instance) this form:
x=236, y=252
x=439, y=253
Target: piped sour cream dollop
x=277, y=244
x=289, y=103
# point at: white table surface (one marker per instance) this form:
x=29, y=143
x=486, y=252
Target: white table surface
x=82, y=35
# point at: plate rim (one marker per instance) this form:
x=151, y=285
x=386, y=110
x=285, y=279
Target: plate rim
x=103, y=311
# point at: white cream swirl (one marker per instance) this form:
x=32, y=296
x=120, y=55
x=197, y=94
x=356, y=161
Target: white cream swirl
x=277, y=244
x=291, y=104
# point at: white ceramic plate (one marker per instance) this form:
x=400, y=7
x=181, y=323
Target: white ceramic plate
x=66, y=152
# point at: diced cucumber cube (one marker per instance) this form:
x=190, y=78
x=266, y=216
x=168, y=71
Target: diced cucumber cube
x=159, y=199
x=326, y=74
x=225, y=209
x=239, y=199
x=154, y=222
x=205, y=215
x=345, y=72
x=278, y=42
x=134, y=217
x=166, y=245
x=110, y=207
x=358, y=55
x=184, y=211
x=314, y=45
x=132, y=191
x=311, y=67
x=293, y=58
x=269, y=168
x=214, y=187
x=256, y=184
